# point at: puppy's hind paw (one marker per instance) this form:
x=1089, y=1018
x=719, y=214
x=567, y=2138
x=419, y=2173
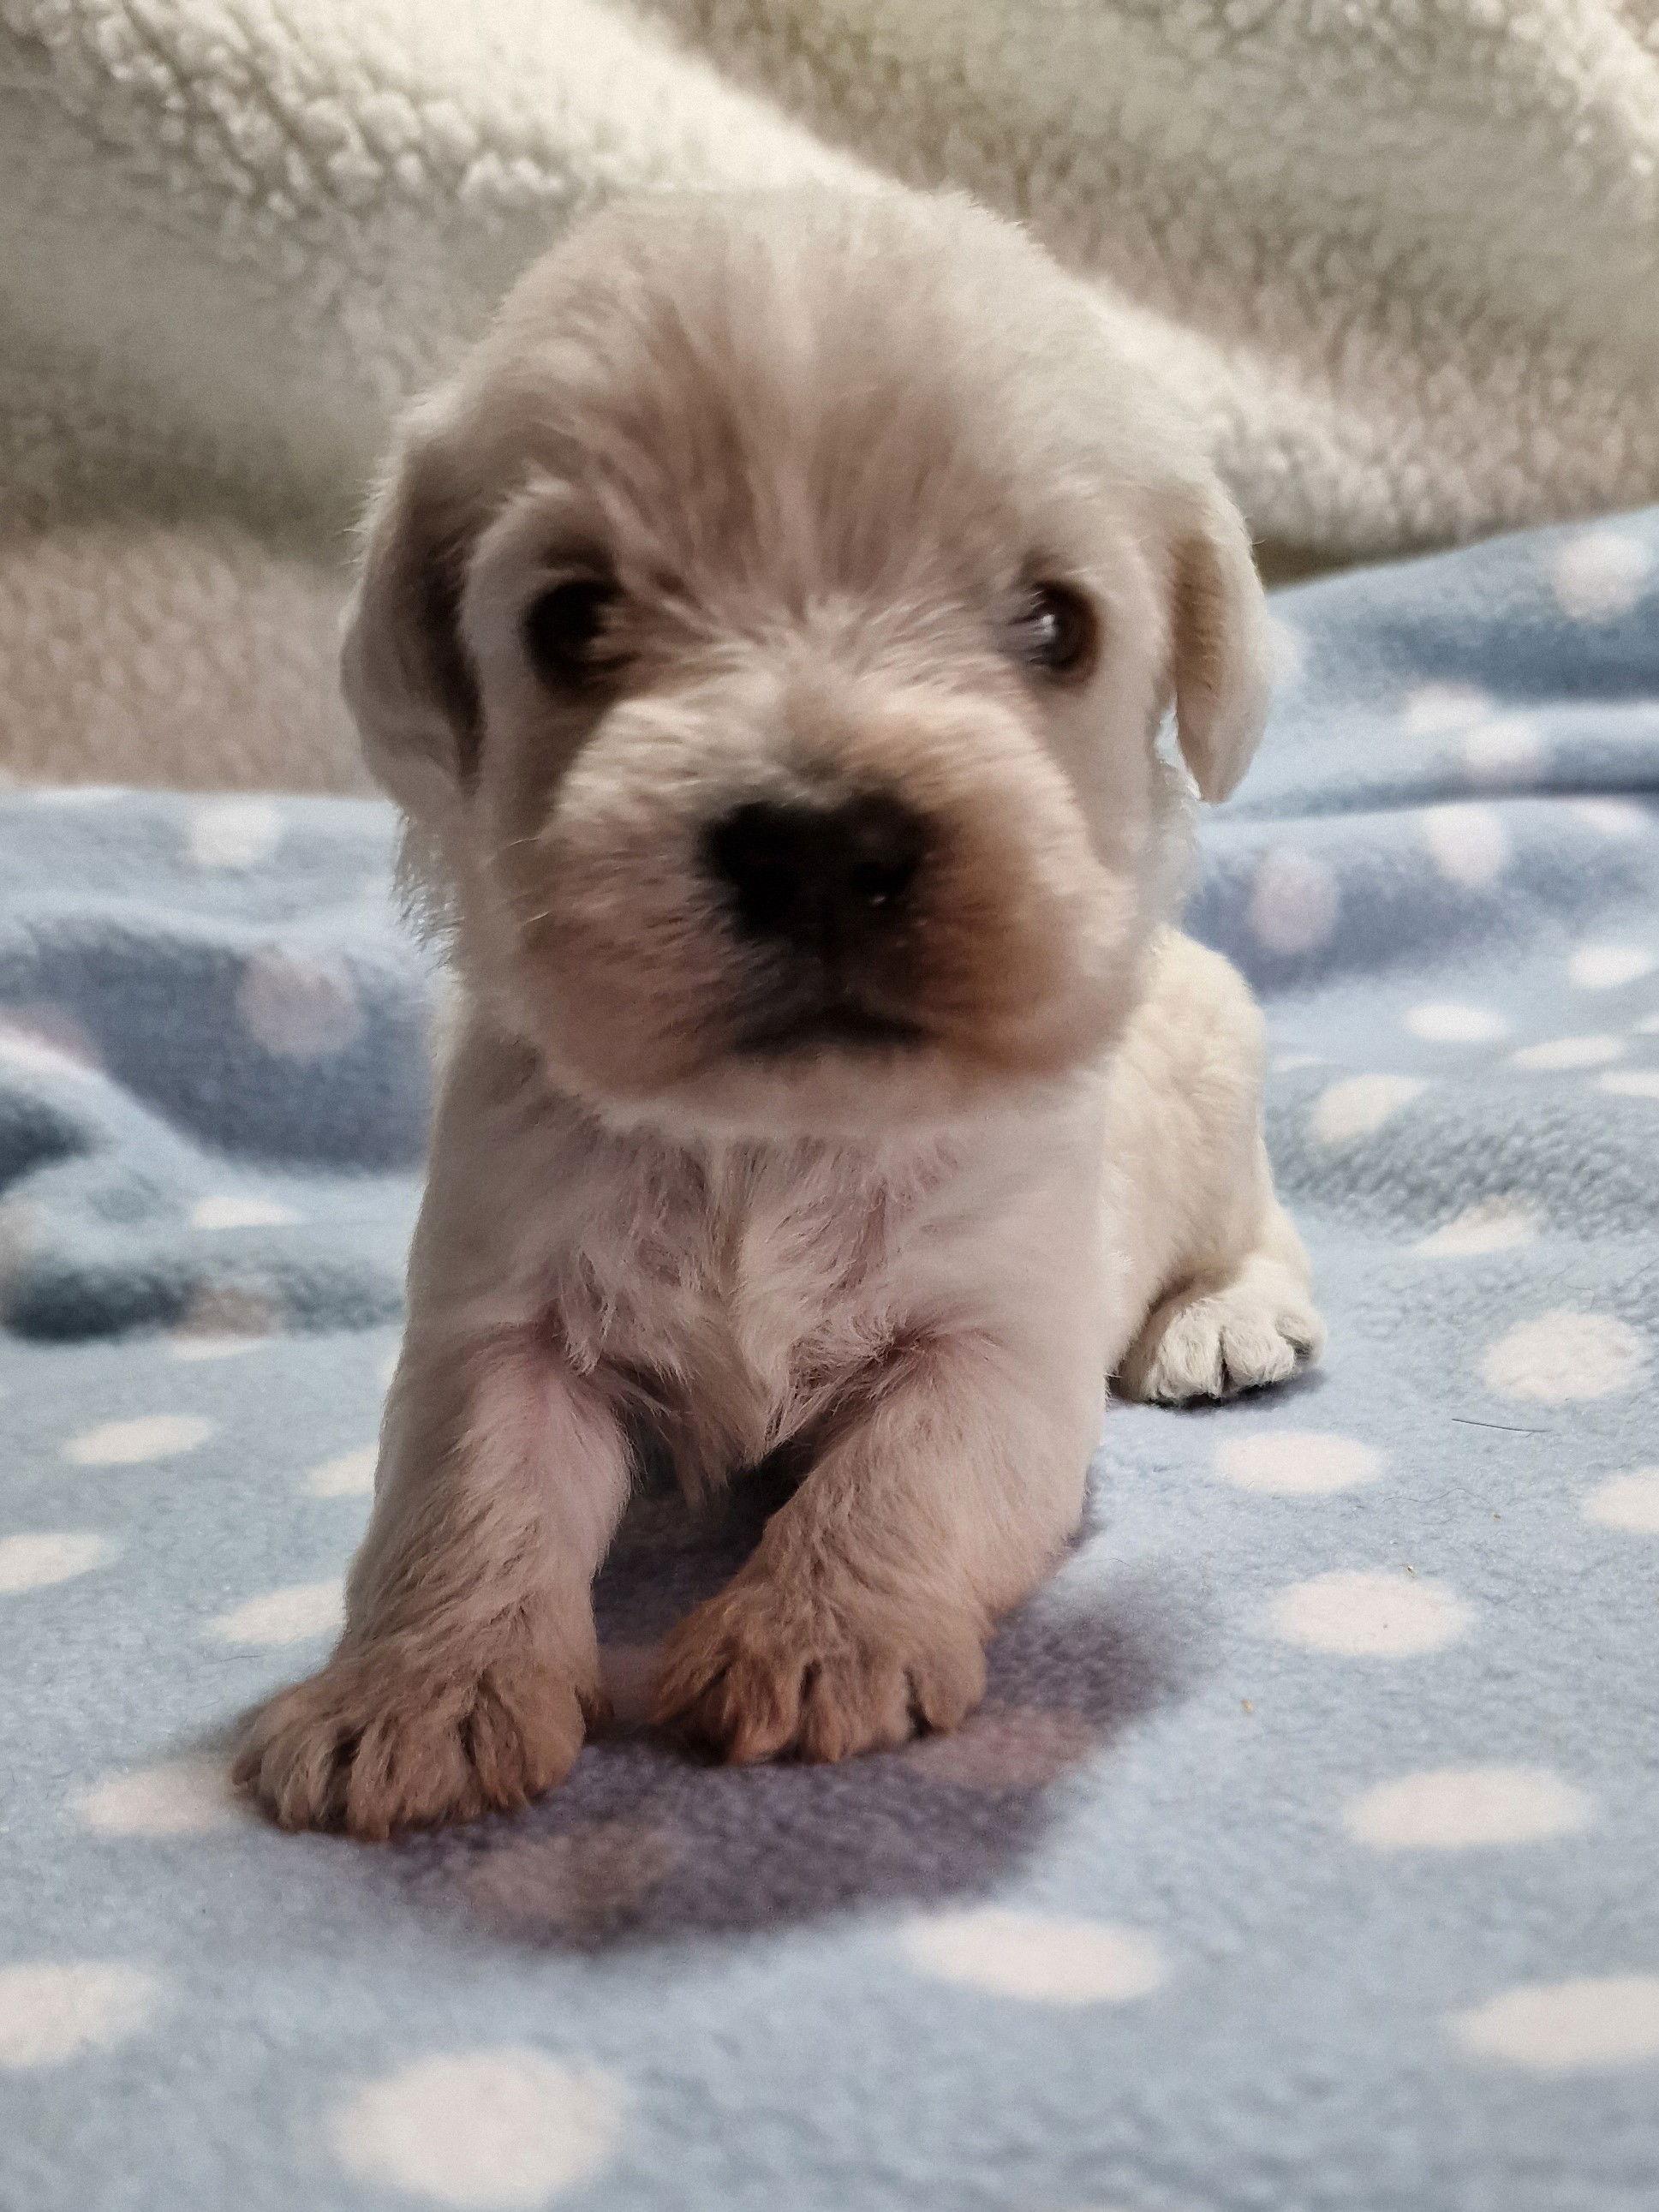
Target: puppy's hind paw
x=1258, y=1330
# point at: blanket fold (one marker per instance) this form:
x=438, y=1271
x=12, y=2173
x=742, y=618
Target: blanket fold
x=1302, y=1858
x=1402, y=262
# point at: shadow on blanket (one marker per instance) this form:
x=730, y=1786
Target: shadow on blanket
x=646, y=1843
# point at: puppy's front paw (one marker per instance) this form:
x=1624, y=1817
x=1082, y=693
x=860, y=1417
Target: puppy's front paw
x=1258, y=1330
x=764, y=1669
x=377, y=1742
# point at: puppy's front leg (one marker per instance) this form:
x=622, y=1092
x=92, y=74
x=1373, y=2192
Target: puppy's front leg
x=864, y=1611
x=469, y=1666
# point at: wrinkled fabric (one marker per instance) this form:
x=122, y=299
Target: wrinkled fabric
x=1303, y=1854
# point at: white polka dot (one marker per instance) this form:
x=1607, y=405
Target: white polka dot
x=1432, y=708
x=1561, y=1356
x=1627, y=1501
x=1293, y=901
x=180, y=1797
x=1492, y=1224
x=300, y=1008
x=1032, y=1956
x=1507, y=746
x=1360, y=1104
x=1605, y=967
x=1287, y=1062
x=1599, y=575
x=233, y=833
x=284, y=1616
x=1613, y=817
x=1567, y=2027
x=1469, y=844
x=1441, y=1021
x=1632, y=1083
x=223, y=1318
x=240, y=1210
x=80, y=795
x=27, y=1051
x=485, y=2129
x=1297, y=1463
x=37, y=1560
x=55, y=2009
x=1370, y=1613
x=191, y=1344
x=1556, y=1053
x=351, y=1475
x=1456, y=1809
x=124, y=1443
x=1648, y=1026
x=43, y=1035
x=23, y=1234
x=1287, y=650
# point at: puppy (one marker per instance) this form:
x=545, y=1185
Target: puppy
x=767, y=636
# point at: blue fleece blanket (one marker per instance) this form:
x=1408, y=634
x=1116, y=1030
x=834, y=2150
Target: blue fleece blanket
x=1305, y=1856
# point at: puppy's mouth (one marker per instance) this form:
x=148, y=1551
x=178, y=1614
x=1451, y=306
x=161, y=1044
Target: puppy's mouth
x=825, y=1023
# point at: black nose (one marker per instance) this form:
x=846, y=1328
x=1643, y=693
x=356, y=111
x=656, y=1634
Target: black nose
x=818, y=875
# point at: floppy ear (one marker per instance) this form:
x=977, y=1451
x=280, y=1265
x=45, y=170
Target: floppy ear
x=404, y=668
x=1219, y=658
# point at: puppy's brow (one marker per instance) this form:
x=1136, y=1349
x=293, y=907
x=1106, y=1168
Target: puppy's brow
x=571, y=557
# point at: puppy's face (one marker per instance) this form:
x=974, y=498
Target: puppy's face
x=769, y=631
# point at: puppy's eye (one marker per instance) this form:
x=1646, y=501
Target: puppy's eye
x=1055, y=631
x=565, y=626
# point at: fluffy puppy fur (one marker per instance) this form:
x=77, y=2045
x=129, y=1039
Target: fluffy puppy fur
x=767, y=636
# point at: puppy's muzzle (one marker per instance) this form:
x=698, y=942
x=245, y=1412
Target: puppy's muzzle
x=828, y=888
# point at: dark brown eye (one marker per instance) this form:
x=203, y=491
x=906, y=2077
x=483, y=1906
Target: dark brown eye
x=564, y=629
x=1055, y=630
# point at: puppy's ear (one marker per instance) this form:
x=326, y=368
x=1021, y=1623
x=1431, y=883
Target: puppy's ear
x=1219, y=661
x=403, y=667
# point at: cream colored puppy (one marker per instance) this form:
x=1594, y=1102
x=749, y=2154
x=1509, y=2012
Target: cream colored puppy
x=767, y=636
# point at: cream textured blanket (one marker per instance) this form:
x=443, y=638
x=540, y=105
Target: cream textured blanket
x=1402, y=258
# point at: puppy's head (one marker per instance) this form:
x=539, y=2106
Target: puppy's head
x=768, y=635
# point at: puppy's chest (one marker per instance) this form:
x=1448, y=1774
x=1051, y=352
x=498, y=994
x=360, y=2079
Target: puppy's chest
x=737, y=1304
